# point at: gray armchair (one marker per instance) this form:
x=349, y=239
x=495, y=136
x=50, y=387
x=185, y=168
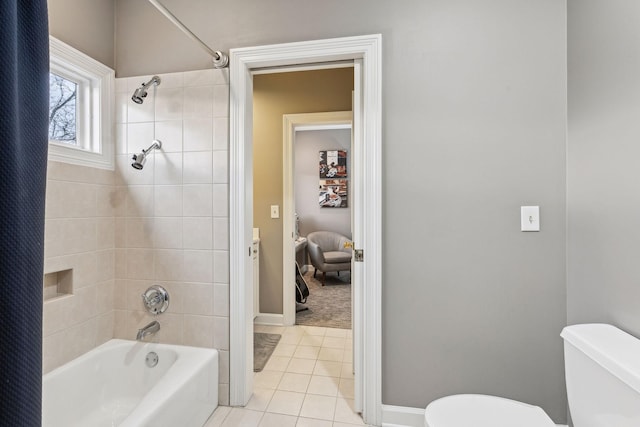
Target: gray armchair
x=328, y=253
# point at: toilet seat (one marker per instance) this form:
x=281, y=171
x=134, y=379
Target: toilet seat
x=477, y=410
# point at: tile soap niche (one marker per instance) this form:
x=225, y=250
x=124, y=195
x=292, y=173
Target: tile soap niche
x=58, y=284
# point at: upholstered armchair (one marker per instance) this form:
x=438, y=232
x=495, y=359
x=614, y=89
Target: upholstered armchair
x=328, y=252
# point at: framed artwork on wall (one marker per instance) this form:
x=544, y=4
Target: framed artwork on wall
x=333, y=193
x=333, y=164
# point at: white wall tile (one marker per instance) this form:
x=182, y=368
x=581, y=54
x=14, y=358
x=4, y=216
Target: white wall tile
x=198, y=232
x=168, y=200
x=121, y=138
x=139, y=264
x=198, y=266
x=171, y=80
x=221, y=101
x=167, y=233
x=221, y=333
x=139, y=137
x=168, y=264
x=170, y=134
x=220, y=200
x=220, y=299
x=168, y=168
x=197, y=331
x=139, y=232
x=198, y=199
x=197, y=134
x=221, y=266
x=198, y=102
x=198, y=167
x=220, y=134
x=220, y=167
x=140, y=112
x=221, y=233
x=200, y=77
x=121, y=101
x=169, y=103
x=139, y=201
x=198, y=299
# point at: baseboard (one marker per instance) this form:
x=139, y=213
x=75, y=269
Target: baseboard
x=402, y=416
x=269, y=319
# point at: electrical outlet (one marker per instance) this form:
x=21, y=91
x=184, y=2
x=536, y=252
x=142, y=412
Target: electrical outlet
x=530, y=218
x=275, y=211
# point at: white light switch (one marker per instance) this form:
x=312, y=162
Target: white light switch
x=530, y=218
x=275, y=211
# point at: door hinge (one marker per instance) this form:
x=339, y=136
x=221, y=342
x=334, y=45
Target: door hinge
x=358, y=255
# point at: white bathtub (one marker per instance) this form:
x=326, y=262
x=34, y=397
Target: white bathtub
x=113, y=386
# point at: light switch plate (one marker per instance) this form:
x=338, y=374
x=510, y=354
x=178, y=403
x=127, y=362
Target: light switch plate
x=275, y=211
x=530, y=218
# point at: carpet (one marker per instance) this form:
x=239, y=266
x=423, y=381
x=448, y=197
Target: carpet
x=329, y=305
x=263, y=346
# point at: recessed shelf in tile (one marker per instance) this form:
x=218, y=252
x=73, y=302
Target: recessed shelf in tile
x=58, y=284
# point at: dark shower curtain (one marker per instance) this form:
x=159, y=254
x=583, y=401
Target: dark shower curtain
x=24, y=87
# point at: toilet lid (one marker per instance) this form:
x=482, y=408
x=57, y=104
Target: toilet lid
x=476, y=410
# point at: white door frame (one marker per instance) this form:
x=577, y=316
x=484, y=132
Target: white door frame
x=365, y=51
x=290, y=124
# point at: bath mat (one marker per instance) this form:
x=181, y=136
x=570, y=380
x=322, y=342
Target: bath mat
x=263, y=346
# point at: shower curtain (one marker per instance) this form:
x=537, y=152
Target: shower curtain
x=24, y=87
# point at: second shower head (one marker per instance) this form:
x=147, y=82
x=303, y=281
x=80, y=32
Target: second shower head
x=141, y=93
x=139, y=159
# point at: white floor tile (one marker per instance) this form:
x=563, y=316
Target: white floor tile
x=306, y=352
x=326, y=386
x=294, y=382
x=315, y=330
x=346, y=388
x=286, y=402
x=335, y=332
x=218, y=416
x=310, y=422
x=333, y=342
x=285, y=350
x=301, y=366
x=333, y=354
x=313, y=340
x=346, y=371
x=344, y=412
x=260, y=399
x=320, y=407
x=327, y=368
x=278, y=420
x=240, y=417
x=267, y=379
x=277, y=363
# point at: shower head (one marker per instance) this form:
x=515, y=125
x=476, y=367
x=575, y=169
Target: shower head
x=140, y=158
x=141, y=93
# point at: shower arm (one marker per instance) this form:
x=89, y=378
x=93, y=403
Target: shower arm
x=156, y=144
x=220, y=60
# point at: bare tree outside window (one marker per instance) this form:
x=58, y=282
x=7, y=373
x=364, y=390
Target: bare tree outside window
x=62, y=109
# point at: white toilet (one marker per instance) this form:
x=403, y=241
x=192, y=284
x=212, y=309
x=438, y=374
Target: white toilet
x=602, y=367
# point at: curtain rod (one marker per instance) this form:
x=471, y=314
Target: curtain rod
x=220, y=59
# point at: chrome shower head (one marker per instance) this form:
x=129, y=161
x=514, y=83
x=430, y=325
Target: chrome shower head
x=139, y=159
x=141, y=93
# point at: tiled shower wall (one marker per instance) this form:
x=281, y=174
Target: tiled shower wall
x=167, y=224
x=79, y=236
x=171, y=223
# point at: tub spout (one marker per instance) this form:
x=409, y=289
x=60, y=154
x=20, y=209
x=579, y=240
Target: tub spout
x=150, y=329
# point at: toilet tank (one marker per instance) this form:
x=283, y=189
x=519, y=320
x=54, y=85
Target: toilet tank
x=602, y=368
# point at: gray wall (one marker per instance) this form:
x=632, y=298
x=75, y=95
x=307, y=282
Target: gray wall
x=306, y=148
x=85, y=25
x=474, y=123
x=603, y=173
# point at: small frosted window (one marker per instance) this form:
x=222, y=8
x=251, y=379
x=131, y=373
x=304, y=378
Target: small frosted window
x=62, y=109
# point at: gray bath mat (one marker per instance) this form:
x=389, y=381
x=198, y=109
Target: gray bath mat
x=263, y=346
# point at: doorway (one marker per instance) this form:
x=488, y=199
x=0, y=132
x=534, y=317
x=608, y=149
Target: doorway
x=364, y=51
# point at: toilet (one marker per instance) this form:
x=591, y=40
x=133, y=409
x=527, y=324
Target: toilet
x=602, y=369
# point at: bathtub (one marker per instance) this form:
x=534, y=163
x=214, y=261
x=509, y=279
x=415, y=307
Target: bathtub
x=112, y=386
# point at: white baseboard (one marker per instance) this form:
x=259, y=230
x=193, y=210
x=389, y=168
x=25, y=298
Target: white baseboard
x=269, y=319
x=402, y=416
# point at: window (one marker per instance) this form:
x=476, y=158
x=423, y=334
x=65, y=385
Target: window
x=80, y=108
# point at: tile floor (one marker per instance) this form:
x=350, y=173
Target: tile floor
x=307, y=382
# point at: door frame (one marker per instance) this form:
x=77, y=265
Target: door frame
x=365, y=51
x=290, y=124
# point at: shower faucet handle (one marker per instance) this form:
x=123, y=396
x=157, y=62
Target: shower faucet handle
x=156, y=299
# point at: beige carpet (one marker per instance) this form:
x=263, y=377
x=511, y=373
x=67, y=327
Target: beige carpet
x=329, y=305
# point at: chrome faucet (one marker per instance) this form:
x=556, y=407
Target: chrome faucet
x=150, y=329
